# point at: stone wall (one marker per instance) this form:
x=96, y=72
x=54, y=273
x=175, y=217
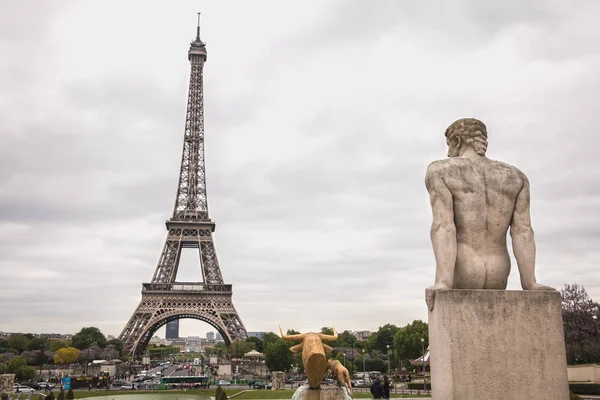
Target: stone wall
x=584, y=373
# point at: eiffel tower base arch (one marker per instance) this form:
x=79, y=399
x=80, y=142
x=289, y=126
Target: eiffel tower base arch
x=208, y=303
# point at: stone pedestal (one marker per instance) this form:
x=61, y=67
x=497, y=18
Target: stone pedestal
x=6, y=385
x=336, y=392
x=497, y=344
x=278, y=382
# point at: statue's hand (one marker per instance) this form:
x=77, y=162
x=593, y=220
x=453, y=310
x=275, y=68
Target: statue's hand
x=537, y=286
x=430, y=294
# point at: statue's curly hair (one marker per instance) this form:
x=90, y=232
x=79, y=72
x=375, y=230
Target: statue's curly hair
x=471, y=131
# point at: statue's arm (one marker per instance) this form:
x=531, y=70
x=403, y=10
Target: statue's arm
x=523, y=240
x=443, y=230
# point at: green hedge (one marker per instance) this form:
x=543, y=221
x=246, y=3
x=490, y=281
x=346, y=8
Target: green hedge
x=417, y=385
x=585, y=388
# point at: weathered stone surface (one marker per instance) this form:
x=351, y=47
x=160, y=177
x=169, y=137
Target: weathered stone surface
x=6, y=385
x=475, y=201
x=497, y=345
x=323, y=393
x=278, y=381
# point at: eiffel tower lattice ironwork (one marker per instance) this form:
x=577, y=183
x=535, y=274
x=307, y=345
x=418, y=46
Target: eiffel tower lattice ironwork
x=164, y=299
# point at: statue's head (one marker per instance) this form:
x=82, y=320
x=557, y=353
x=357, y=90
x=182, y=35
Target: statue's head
x=466, y=132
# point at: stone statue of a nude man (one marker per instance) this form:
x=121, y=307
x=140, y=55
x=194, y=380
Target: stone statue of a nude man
x=474, y=201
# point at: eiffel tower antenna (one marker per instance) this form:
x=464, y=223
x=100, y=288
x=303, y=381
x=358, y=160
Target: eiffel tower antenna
x=198, y=29
x=164, y=299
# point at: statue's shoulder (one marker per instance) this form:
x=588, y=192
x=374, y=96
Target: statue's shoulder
x=511, y=169
x=439, y=167
x=436, y=171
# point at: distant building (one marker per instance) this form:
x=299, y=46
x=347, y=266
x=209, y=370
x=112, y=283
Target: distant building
x=172, y=329
x=259, y=335
x=210, y=336
x=50, y=335
x=110, y=337
x=179, y=343
x=157, y=341
x=362, y=335
x=193, y=344
x=218, y=336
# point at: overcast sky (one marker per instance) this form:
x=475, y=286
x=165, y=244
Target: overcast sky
x=321, y=118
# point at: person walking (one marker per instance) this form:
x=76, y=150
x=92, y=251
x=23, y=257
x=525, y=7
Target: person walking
x=377, y=389
x=386, y=387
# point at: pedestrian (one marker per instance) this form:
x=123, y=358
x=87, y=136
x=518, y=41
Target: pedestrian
x=377, y=389
x=386, y=387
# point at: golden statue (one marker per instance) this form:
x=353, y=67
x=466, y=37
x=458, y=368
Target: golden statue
x=314, y=359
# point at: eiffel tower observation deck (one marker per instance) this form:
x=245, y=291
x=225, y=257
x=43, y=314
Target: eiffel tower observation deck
x=163, y=298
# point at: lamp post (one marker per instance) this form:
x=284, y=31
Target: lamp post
x=388, y=357
x=423, y=362
x=344, y=354
x=364, y=369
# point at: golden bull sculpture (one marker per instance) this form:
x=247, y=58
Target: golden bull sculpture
x=313, y=357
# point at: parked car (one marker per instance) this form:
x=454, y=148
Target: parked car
x=118, y=383
x=23, y=389
x=260, y=385
x=224, y=383
x=128, y=386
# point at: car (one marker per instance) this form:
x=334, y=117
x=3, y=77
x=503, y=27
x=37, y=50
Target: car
x=32, y=385
x=45, y=385
x=224, y=383
x=23, y=389
x=128, y=386
x=118, y=383
x=260, y=385
x=358, y=383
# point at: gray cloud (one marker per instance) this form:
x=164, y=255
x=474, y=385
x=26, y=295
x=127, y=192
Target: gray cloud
x=320, y=124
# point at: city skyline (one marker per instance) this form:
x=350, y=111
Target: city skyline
x=320, y=124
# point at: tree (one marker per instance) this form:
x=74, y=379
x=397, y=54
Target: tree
x=582, y=327
x=256, y=343
x=270, y=337
x=4, y=346
x=239, y=347
x=407, y=341
x=117, y=343
x=346, y=339
x=67, y=355
x=38, y=343
x=87, y=337
x=19, y=367
x=18, y=342
x=55, y=344
x=278, y=356
x=383, y=337
x=375, y=364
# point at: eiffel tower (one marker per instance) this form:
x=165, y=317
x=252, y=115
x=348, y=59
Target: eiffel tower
x=164, y=299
